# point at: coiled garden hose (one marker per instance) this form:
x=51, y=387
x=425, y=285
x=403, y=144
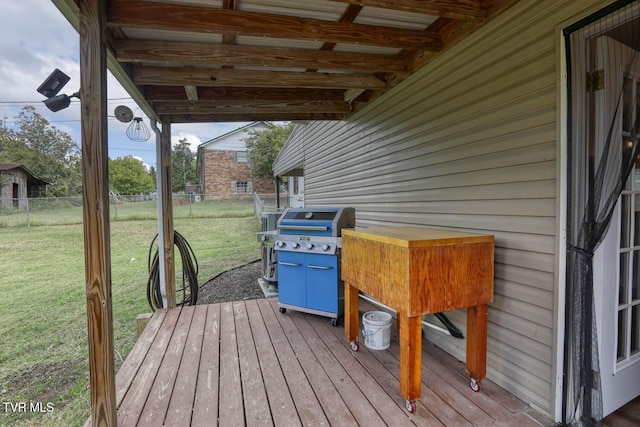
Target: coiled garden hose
x=189, y=289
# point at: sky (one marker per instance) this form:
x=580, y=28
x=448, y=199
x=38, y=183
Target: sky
x=35, y=38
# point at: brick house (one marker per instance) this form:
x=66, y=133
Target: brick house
x=223, y=166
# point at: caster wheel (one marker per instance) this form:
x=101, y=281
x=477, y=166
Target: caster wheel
x=355, y=346
x=334, y=321
x=475, y=385
x=283, y=310
x=411, y=406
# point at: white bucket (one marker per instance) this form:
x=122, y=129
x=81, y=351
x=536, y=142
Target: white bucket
x=376, y=329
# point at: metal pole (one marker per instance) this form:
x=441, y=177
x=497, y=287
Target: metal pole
x=159, y=198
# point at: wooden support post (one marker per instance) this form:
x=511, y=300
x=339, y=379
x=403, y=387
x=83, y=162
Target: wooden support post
x=95, y=191
x=142, y=320
x=166, y=199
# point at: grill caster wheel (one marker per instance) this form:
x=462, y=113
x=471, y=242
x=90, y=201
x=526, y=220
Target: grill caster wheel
x=411, y=406
x=283, y=310
x=475, y=385
x=334, y=321
x=354, y=346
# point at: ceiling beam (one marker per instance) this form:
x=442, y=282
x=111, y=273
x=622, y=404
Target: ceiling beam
x=166, y=16
x=250, y=107
x=470, y=10
x=170, y=76
x=191, y=53
x=177, y=93
x=267, y=117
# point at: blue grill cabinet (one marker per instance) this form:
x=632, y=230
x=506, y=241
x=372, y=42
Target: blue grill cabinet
x=308, y=246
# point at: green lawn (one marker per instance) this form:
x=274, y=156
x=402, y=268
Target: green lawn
x=43, y=354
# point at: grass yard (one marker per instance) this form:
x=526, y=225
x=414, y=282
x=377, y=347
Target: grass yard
x=43, y=355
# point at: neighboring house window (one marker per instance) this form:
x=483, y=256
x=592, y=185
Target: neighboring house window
x=241, y=157
x=241, y=187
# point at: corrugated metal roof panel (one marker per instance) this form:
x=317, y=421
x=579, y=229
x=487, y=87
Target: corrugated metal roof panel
x=316, y=9
x=273, y=42
x=179, y=36
x=394, y=18
x=362, y=48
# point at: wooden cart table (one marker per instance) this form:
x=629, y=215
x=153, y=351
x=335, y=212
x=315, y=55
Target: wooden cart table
x=417, y=271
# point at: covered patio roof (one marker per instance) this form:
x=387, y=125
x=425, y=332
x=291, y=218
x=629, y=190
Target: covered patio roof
x=247, y=60
x=189, y=61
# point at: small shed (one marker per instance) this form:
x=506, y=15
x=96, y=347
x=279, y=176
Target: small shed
x=223, y=165
x=17, y=184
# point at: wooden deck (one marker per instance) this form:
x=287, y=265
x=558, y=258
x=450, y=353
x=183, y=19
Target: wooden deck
x=245, y=363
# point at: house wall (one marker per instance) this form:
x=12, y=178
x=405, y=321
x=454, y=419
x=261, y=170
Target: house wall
x=221, y=170
x=470, y=142
x=291, y=156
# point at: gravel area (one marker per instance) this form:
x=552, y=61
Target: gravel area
x=238, y=284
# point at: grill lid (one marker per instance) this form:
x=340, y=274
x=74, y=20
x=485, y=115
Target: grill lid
x=316, y=221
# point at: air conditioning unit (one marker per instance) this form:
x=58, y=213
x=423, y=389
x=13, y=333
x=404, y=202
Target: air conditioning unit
x=270, y=220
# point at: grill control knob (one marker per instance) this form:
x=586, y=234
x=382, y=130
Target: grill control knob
x=310, y=246
x=281, y=244
x=295, y=245
x=325, y=248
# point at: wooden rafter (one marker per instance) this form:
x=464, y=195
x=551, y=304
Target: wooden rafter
x=458, y=9
x=191, y=53
x=267, y=117
x=267, y=75
x=166, y=16
x=210, y=58
x=244, y=106
x=170, y=76
x=241, y=94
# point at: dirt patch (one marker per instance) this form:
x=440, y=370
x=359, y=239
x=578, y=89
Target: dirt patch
x=47, y=382
x=238, y=284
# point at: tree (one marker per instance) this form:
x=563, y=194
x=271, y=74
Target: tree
x=263, y=147
x=128, y=176
x=48, y=152
x=183, y=165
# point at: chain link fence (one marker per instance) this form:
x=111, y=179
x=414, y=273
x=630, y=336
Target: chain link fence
x=45, y=211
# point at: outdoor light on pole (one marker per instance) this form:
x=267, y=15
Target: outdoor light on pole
x=50, y=88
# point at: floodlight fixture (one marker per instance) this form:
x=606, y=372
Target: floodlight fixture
x=54, y=83
x=60, y=102
x=50, y=88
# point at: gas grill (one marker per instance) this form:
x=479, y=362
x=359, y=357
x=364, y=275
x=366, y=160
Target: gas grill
x=308, y=243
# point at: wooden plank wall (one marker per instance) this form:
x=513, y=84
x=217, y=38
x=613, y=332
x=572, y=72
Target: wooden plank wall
x=470, y=143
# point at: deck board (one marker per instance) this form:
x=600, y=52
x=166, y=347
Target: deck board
x=284, y=410
x=157, y=404
x=231, y=412
x=179, y=412
x=256, y=404
x=205, y=407
x=245, y=363
x=309, y=409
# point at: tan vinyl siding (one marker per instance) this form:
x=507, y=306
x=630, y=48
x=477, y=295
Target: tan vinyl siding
x=291, y=157
x=469, y=142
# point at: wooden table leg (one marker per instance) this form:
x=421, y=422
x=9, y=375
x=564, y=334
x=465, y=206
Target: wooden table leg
x=351, y=313
x=410, y=356
x=477, y=319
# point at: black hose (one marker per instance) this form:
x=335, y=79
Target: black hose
x=189, y=287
